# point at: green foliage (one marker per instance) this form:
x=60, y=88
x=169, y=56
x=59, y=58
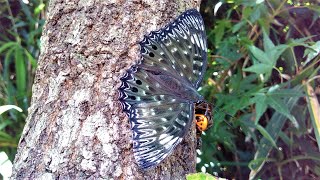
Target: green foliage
x=21, y=28
x=200, y=176
x=261, y=56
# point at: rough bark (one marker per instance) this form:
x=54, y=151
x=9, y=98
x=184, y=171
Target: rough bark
x=75, y=128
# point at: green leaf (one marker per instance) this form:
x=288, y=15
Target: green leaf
x=31, y=59
x=299, y=42
x=20, y=70
x=266, y=135
x=5, y=136
x=285, y=138
x=263, y=22
x=281, y=107
x=259, y=68
x=314, y=111
x=20, y=24
x=27, y=12
x=256, y=162
x=246, y=12
x=312, y=52
x=275, y=53
x=274, y=126
x=219, y=30
x=267, y=43
x=261, y=107
x=201, y=176
x=285, y=93
x=256, y=14
x=260, y=55
x=39, y=8
x=5, y=123
x=7, y=45
x=238, y=26
x=229, y=49
x=7, y=61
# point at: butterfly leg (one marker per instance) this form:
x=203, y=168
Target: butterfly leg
x=199, y=140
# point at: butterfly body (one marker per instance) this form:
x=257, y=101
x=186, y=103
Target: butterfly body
x=158, y=93
x=175, y=86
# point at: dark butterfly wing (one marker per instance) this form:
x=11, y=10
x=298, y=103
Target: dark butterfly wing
x=179, y=49
x=160, y=119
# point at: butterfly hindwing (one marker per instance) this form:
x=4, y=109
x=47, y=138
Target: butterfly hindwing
x=154, y=135
x=152, y=91
x=158, y=120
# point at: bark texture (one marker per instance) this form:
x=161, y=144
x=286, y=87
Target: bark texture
x=76, y=128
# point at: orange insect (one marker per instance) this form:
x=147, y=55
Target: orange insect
x=203, y=119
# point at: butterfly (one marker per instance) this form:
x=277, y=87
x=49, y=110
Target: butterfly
x=159, y=93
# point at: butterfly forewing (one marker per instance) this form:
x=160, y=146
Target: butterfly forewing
x=180, y=48
x=158, y=92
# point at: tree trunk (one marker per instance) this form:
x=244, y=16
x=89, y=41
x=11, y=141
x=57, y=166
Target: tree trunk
x=76, y=128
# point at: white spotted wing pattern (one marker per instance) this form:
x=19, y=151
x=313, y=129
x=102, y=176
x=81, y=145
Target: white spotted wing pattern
x=158, y=93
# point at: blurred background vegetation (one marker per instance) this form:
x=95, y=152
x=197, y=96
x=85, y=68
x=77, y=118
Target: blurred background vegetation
x=263, y=78
x=21, y=25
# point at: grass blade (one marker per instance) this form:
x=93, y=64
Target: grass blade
x=314, y=110
x=6, y=46
x=20, y=70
